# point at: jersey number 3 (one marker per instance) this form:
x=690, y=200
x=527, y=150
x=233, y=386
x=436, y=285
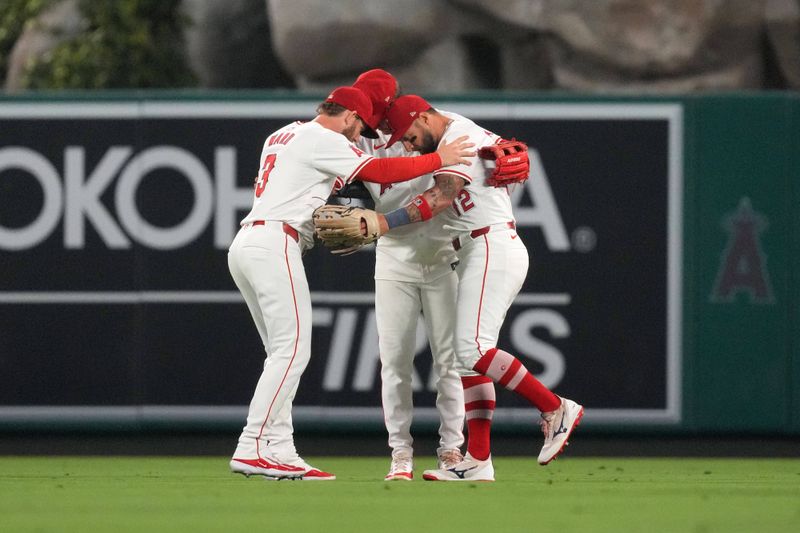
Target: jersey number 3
x=261, y=182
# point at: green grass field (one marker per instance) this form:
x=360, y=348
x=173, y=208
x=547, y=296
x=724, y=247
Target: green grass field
x=572, y=494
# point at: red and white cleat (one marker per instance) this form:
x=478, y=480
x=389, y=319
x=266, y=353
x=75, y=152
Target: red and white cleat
x=557, y=427
x=264, y=467
x=315, y=474
x=310, y=473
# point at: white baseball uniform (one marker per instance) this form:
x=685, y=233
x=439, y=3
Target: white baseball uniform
x=493, y=261
x=300, y=168
x=414, y=273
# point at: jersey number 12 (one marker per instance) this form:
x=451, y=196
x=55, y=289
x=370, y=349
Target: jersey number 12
x=463, y=202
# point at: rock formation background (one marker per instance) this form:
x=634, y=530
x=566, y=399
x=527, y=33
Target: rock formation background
x=453, y=46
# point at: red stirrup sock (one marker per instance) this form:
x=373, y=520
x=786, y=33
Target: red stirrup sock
x=479, y=401
x=506, y=370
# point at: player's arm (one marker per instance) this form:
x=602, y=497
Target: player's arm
x=394, y=169
x=425, y=206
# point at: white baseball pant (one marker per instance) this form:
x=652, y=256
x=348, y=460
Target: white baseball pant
x=397, y=308
x=266, y=265
x=491, y=270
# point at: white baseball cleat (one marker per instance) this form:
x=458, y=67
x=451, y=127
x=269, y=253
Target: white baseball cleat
x=265, y=467
x=469, y=469
x=402, y=468
x=450, y=458
x=557, y=426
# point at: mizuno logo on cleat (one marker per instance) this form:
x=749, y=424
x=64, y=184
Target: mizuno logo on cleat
x=562, y=428
x=460, y=473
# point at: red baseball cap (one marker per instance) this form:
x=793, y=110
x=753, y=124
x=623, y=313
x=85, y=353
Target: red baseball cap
x=381, y=88
x=402, y=113
x=354, y=99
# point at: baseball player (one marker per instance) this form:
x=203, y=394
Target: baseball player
x=301, y=164
x=413, y=273
x=475, y=207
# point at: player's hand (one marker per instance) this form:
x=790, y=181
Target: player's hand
x=456, y=152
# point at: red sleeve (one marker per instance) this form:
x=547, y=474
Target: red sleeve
x=393, y=169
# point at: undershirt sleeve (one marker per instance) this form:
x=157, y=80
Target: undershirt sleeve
x=394, y=169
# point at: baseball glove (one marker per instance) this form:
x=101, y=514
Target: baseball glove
x=511, y=162
x=345, y=229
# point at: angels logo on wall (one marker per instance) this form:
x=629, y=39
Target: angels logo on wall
x=743, y=264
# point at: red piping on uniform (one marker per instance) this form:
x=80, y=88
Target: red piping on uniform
x=358, y=169
x=480, y=303
x=296, y=341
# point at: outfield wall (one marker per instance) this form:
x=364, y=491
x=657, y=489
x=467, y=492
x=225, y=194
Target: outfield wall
x=663, y=291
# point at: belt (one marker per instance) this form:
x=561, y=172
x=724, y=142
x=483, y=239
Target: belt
x=287, y=229
x=478, y=232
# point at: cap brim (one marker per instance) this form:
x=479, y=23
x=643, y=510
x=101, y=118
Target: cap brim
x=368, y=132
x=394, y=138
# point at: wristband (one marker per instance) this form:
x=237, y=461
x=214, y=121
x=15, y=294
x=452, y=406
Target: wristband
x=398, y=217
x=423, y=206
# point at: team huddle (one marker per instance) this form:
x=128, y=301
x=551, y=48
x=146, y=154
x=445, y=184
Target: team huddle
x=446, y=248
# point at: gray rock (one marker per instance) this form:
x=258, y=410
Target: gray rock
x=644, y=45
x=429, y=46
x=598, y=45
x=425, y=76
x=526, y=63
x=515, y=53
x=444, y=67
x=783, y=31
x=528, y=14
x=228, y=44
x=437, y=46
x=320, y=39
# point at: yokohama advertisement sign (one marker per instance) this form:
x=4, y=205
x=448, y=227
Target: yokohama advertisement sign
x=116, y=305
